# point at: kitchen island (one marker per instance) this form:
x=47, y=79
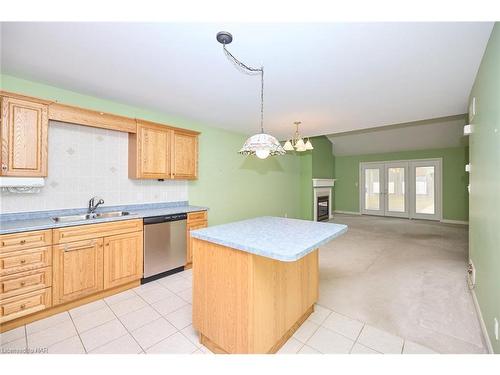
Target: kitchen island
x=256, y=281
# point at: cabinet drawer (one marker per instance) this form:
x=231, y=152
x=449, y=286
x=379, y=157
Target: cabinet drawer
x=25, y=304
x=24, y=282
x=25, y=240
x=25, y=260
x=195, y=216
x=89, y=231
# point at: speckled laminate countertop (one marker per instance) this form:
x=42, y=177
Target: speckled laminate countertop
x=23, y=222
x=272, y=237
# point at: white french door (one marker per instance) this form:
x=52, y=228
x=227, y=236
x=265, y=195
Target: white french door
x=408, y=188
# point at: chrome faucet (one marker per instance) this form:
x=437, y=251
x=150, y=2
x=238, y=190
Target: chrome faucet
x=93, y=206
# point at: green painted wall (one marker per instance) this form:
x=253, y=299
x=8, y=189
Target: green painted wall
x=232, y=186
x=455, y=179
x=484, y=223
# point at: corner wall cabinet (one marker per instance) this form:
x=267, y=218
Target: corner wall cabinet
x=24, y=136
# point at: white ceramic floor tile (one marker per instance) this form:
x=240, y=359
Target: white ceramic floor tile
x=45, y=323
x=73, y=345
x=361, y=349
x=192, y=335
x=175, y=344
x=154, y=294
x=306, y=349
x=143, y=287
x=187, y=273
x=139, y=318
x=169, y=304
x=168, y=279
x=205, y=350
x=12, y=335
x=292, y=346
x=327, y=341
x=343, y=325
x=14, y=347
x=87, y=308
x=154, y=332
x=414, y=348
x=305, y=331
x=122, y=345
x=98, y=336
x=176, y=285
x=119, y=297
x=51, y=335
x=186, y=295
x=93, y=319
x=380, y=341
x=319, y=315
x=128, y=305
x=181, y=318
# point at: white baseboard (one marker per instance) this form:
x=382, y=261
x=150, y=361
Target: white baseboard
x=486, y=337
x=446, y=221
x=347, y=212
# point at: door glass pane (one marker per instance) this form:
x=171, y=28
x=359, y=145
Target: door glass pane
x=396, y=189
x=372, y=189
x=424, y=190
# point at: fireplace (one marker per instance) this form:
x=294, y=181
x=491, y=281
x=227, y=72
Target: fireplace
x=323, y=208
x=322, y=198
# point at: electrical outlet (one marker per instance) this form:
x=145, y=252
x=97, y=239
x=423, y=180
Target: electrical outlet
x=496, y=329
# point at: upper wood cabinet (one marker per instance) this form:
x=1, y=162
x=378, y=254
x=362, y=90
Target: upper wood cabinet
x=185, y=155
x=24, y=136
x=150, y=151
x=159, y=152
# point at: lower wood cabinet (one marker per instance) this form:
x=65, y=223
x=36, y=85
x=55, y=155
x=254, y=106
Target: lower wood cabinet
x=78, y=270
x=123, y=259
x=195, y=220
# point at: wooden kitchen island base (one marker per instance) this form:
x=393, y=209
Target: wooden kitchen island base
x=246, y=303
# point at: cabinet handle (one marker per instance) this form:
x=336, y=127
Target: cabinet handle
x=4, y=167
x=23, y=306
x=22, y=242
x=23, y=261
x=23, y=283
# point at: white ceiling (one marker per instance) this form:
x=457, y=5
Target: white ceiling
x=333, y=77
x=421, y=135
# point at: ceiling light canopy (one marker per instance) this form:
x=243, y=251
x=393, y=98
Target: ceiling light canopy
x=262, y=145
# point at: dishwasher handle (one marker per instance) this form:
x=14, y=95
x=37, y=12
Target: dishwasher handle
x=164, y=218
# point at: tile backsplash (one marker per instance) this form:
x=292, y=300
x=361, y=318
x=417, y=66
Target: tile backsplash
x=84, y=162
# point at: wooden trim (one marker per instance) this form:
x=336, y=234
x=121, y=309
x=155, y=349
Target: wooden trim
x=161, y=126
x=65, y=307
x=87, y=117
x=25, y=97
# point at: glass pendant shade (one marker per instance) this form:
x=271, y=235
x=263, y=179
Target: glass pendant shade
x=309, y=145
x=288, y=146
x=262, y=145
x=299, y=145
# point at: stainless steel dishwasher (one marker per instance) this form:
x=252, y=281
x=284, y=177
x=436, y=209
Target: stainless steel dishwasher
x=164, y=245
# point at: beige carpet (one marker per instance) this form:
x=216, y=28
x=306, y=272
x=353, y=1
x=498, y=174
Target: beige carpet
x=407, y=277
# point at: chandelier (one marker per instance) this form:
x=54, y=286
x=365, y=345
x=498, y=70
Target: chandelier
x=260, y=144
x=297, y=142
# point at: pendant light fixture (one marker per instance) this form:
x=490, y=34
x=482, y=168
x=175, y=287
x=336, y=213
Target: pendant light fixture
x=261, y=144
x=297, y=142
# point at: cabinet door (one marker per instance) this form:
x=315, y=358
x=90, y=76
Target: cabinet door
x=154, y=151
x=123, y=259
x=78, y=270
x=24, y=138
x=190, y=227
x=185, y=162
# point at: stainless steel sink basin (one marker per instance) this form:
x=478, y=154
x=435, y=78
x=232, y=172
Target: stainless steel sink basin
x=100, y=215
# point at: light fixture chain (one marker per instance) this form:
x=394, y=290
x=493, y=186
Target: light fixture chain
x=249, y=70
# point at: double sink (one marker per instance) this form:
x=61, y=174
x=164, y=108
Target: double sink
x=91, y=216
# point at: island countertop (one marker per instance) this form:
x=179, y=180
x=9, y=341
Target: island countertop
x=272, y=237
